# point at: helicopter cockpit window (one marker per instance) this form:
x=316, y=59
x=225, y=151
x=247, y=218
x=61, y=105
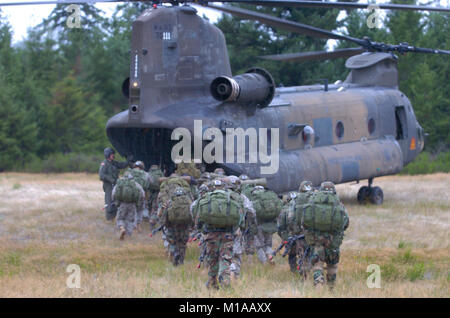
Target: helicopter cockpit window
x=371, y=126
x=339, y=129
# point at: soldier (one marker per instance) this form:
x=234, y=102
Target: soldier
x=300, y=252
x=127, y=194
x=155, y=173
x=234, y=184
x=283, y=231
x=267, y=206
x=248, y=237
x=144, y=180
x=109, y=172
x=325, y=219
x=219, y=214
x=175, y=199
x=219, y=171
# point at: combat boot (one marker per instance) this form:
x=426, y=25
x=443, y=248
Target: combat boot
x=122, y=233
x=224, y=283
x=319, y=280
x=212, y=283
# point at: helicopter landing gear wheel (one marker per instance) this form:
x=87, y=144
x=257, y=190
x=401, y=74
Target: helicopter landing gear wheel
x=376, y=196
x=372, y=194
x=363, y=194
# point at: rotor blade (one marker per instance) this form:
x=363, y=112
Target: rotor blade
x=337, y=5
x=5, y=4
x=311, y=56
x=285, y=24
x=405, y=48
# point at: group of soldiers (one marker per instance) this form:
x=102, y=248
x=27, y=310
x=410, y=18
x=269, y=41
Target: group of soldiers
x=228, y=215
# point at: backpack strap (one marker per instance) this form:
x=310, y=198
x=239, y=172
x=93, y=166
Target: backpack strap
x=333, y=213
x=228, y=202
x=209, y=203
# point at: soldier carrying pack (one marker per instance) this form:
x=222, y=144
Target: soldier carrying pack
x=266, y=203
x=177, y=211
x=323, y=213
x=126, y=190
x=220, y=209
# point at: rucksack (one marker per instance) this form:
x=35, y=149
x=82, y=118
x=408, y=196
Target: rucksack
x=140, y=177
x=324, y=213
x=295, y=217
x=155, y=175
x=169, y=185
x=282, y=224
x=220, y=209
x=246, y=189
x=178, y=209
x=266, y=204
x=126, y=190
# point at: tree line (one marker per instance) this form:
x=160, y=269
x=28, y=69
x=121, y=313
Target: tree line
x=59, y=86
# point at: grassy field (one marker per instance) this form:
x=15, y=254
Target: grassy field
x=50, y=221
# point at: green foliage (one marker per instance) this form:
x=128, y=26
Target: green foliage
x=416, y=272
x=427, y=163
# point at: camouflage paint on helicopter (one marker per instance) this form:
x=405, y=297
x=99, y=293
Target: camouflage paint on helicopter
x=361, y=129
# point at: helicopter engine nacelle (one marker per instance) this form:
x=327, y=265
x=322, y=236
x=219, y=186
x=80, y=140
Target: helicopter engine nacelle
x=255, y=87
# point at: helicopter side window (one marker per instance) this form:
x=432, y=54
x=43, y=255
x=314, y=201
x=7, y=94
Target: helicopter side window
x=371, y=126
x=339, y=129
x=400, y=120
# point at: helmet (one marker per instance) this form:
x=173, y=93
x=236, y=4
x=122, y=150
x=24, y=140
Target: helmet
x=305, y=186
x=108, y=152
x=234, y=182
x=258, y=188
x=179, y=191
x=328, y=186
x=139, y=164
x=217, y=183
x=154, y=167
x=128, y=175
x=202, y=189
x=219, y=171
x=291, y=196
x=243, y=177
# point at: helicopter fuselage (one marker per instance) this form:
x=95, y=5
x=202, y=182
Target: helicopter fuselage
x=359, y=129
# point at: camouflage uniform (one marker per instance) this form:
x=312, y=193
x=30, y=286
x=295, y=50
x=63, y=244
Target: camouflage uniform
x=249, y=236
x=155, y=173
x=284, y=233
x=325, y=249
x=108, y=173
x=263, y=244
x=144, y=180
x=176, y=235
x=294, y=229
x=126, y=215
x=238, y=244
x=219, y=249
x=219, y=246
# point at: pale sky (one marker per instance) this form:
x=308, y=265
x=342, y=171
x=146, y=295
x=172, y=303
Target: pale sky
x=23, y=17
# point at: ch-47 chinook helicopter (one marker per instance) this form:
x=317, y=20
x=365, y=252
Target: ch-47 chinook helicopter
x=361, y=128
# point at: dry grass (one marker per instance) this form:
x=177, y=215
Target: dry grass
x=50, y=221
